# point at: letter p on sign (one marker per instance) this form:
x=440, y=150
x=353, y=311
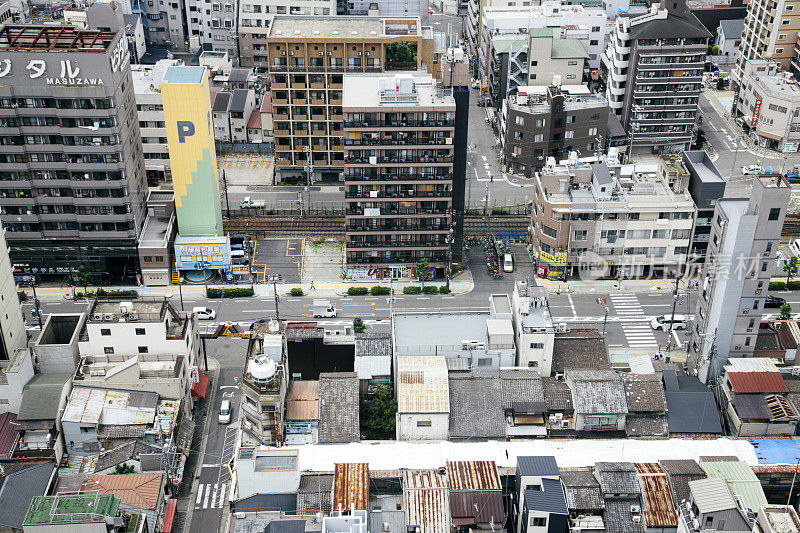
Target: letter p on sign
x=185, y=129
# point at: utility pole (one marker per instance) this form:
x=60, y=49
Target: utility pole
x=672, y=317
x=225, y=188
x=36, y=305
x=605, y=320
x=180, y=290
x=275, y=290
x=309, y=168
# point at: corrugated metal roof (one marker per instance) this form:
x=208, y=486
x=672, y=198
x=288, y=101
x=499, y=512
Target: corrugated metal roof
x=350, y=486
x=422, y=385
x=750, y=364
x=658, y=508
x=477, y=507
x=473, y=475
x=550, y=499
x=712, y=494
x=740, y=478
x=302, y=401
x=426, y=500
x=108, y=407
x=751, y=382
x=537, y=465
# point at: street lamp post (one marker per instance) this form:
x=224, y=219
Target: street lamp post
x=605, y=320
x=36, y=305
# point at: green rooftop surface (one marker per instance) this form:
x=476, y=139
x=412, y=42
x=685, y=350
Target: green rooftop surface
x=568, y=49
x=740, y=478
x=183, y=75
x=73, y=508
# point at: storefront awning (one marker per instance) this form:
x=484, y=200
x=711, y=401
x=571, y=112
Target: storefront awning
x=199, y=388
x=769, y=135
x=170, y=515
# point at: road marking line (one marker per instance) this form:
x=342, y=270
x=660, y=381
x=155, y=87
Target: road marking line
x=199, y=494
x=222, y=495
x=216, y=465
x=572, y=305
x=208, y=495
x=677, y=340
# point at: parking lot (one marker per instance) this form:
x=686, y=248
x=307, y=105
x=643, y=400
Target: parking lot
x=278, y=257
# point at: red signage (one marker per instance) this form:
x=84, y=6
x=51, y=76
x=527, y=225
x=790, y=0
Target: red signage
x=756, y=112
x=542, y=271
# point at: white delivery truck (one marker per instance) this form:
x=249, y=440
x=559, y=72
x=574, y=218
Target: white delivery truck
x=248, y=203
x=323, y=308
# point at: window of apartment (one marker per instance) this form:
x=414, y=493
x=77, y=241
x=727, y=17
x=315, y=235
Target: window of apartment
x=680, y=234
x=520, y=120
x=681, y=250
x=533, y=364
x=779, y=50
x=569, y=134
x=570, y=119
x=572, y=63
x=593, y=42
x=424, y=423
x=484, y=361
x=539, y=521
x=540, y=123
x=142, y=349
x=532, y=76
x=579, y=235
x=105, y=332
x=539, y=137
x=638, y=234
x=534, y=63
x=763, y=269
x=550, y=232
x=595, y=29
x=140, y=331
x=786, y=22
x=108, y=349
x=518, y=135
x=660, y=233
x=747, y=341
x=570, y=76
x=781, y=36
x=537, y=345
x=774, y=213
x=592, y=131
x=769, y=247
x=633, y=216
x=789, y=7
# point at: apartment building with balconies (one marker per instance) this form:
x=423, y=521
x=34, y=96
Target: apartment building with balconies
x=212, y=25
x=307, y=58
x=398, y=170
x=654, y=68
x=72, y=182
x=541, y=122
x=771, y=31
x=611, y=221
x=738, y=266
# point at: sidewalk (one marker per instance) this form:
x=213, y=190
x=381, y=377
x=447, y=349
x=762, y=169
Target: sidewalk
x=462, y=283
x=607, y=286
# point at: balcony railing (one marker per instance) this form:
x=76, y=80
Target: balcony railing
x=405, y=211
x=395, y=142
x=399, y=194
x=397, y=227
x=398, y=177
x=435, y=257
x=397, y=160
x=396, y=123
x=396, y=244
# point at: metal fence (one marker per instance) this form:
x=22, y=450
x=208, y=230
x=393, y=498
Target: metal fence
x=244, y=148
x=336, y=208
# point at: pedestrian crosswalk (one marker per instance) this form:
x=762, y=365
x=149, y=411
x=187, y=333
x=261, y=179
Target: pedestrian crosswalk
x=635, y=324
x=210, y=495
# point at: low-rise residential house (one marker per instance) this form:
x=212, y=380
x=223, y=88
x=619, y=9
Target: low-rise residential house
x=560, y=409
x=680, y=472
x=302, y=413
x=540, y=498
x=777, y=340
x=426, y=501
x=423, y=398
x=578, y=348
x=622, y=496
x=777, y=518
x=373, y=360
x=691, y=407
x=267, y=124
x=39, y=420
x=386, y=513
x=539, y=123
x=141, y=494
x=350, y=487
x=729, y=36
x=584, y=500
x=143, y=457
x=658, y=513
x=92, y=416
x=712, y=506
x=21, y=482
x=67, y=513
x=754, y=397
x=241, y=106
x=263, y=470
x=219, y=116
x=165, y=374
x=534, y=331
x=647, y=406
x=314, y=494
x=740, y=478
x=523, y=403
x=56, y=349
x=339, y=407
x=476, y=494
x=471, y=393
x=263, y=396
x=599, y=399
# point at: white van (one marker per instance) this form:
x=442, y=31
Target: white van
x=204, y=313
x=225, y=412
x=508, y=263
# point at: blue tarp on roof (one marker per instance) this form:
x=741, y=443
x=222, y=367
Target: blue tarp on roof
x=766, y=170
x=777, y=451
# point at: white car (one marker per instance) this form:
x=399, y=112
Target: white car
x=749, y=170
x=225, y=412
x=204, y=313
x=662, y=322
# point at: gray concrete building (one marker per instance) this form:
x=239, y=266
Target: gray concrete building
x=739, y=263
x=212, y=25
x=165, y=24
x=653, y=68
x=706, y=186
x=549, y=121
x=72, y=175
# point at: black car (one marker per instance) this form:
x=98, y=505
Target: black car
x=774, y=301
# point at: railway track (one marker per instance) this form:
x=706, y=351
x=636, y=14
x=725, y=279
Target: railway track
x=333, y=226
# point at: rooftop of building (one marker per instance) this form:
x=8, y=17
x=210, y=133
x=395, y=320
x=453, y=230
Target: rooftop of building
x=476, y=409
x=351, y=486
x=686, y=398
x=677, y=23
x=156, y=231
x=331, y=27
x=302, y=400
x=95, y=406
x=137, y=490
x=406, y=89
x=537, y=465
x=35, y=37
x=71, y=509
x=540, y=11
x=37, y=397
x=732, y=28
x=221, y=102
x=151, y=366
x=147, y=78
x=426, y=500
x=339, y=411
x=549, y=499
x=597, y=391
x=134, y=310
x=740, y=478
x=444, y=328
x=705, y=169
x=238, y=100
x=535, y=100
x=579, y=349
x=422, y=384
x=184, y=74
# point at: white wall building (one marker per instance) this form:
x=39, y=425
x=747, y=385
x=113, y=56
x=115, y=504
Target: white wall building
x=263, y=470
x=147, y=91
x=258, y=13
x=423, y=398
x=13, y=378
x=729, y=36
x=12, y=322
x=534, y=332
x=770, y=102
x=212, y=26
x=499, y=21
